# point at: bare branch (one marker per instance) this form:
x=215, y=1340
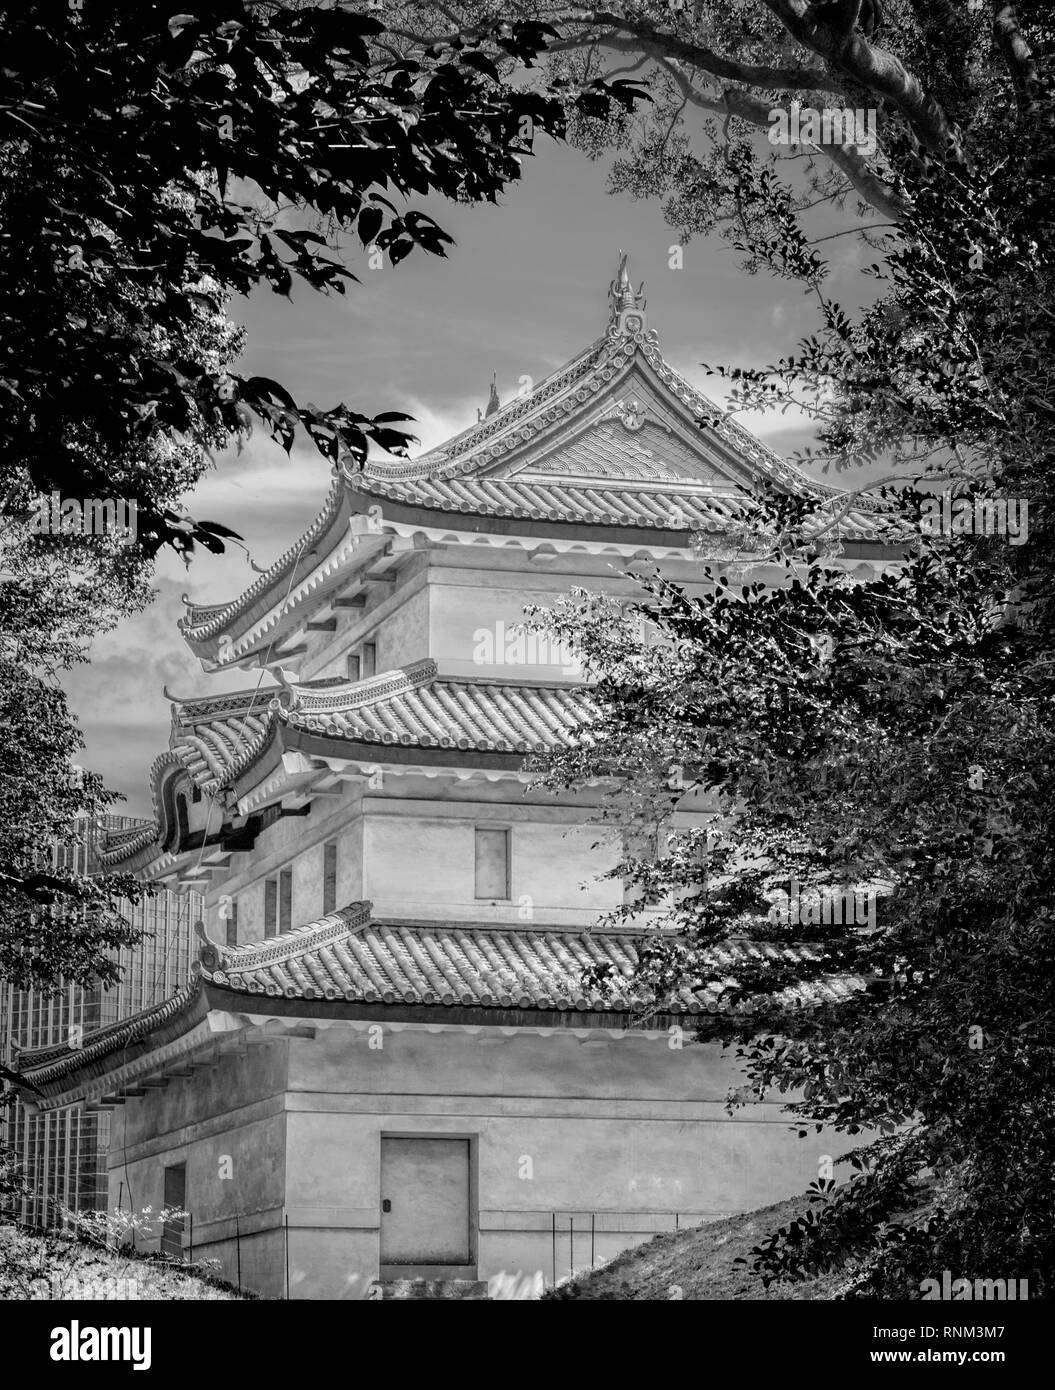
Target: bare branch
x=630, y=67
x=870, y=186
x=851, y=231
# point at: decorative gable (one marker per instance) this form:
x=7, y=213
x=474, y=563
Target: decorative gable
x=626, y=444
x=615, y=449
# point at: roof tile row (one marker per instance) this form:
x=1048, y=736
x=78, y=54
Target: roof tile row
x=347, y=956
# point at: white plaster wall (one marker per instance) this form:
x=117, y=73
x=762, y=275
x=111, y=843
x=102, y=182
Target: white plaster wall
x=632, y=1134
x=460, y=618
x=295, y=842
x=415, y=857
x=227, y=1124
x=627, y=1134
x=424, y=866
x=395, y=618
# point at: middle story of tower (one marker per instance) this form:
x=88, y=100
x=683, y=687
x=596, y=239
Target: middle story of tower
x=392, y=698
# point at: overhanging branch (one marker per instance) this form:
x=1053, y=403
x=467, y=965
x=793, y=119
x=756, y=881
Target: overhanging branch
x=870, y=186
x=823, y=30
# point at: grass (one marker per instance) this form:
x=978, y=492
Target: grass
x=699, y=1264
x=36, y=1266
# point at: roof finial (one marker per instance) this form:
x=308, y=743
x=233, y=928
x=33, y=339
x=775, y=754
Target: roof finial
x=624, y=299
x=493, y=403
x=210, y=957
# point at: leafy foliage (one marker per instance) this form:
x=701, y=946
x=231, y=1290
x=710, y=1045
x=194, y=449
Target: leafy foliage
x=889, y=734
x=148, y=158
x=912, y=763
x=147, y=164
x=94, y=1256
x=55, y=919
x=932, y=78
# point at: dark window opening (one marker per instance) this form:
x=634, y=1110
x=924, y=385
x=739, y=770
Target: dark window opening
x=329, y=876
x=175, y=1196
x=492, y=863
x=285, y=900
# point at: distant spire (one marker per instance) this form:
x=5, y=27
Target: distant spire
x=493, y=403
x=622, y=296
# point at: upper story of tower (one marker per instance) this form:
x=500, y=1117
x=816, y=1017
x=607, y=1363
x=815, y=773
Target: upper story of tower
x=614, y=457
x=389, y=629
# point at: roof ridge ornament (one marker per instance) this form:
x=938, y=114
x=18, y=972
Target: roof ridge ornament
x=493, y=403
x=210, y=956
x=627, y=305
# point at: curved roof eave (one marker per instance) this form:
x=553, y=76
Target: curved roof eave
x=203, y=622
x=349, y=966
x=544, y=411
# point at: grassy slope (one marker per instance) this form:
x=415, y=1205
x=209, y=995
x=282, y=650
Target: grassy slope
x=34, y=1266
x=700, y=1263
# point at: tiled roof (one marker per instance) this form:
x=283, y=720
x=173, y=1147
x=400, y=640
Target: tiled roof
x=347, y=956
x=414, y=707
x=46, y=1064
x=557, y=500
x=215, y=740
x=116, y=835
x=562, y=396
x=116, y=844
x=470, y=474
x=130, y=853
x=203, y=619
x=209, y=735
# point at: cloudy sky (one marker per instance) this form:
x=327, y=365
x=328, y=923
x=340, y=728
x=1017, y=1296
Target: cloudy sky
x=522, y=291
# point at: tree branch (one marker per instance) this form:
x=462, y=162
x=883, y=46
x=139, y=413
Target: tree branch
x=1013, y=46
x=697, y=56
x=870, y=186
x=845, y=49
